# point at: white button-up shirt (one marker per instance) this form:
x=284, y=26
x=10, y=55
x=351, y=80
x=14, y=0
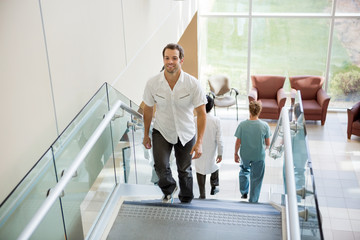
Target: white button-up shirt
x=174, y=117
x=212, y=146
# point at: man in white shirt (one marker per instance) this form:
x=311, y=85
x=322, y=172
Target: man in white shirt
x=176, y=94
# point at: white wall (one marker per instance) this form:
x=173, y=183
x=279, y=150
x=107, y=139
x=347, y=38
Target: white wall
x=88, y=43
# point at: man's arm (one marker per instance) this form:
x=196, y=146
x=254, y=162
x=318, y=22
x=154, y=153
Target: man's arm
x=237, y=147
x=201, y=123
x=148, y=113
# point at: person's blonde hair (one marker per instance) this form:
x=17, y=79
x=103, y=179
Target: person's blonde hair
x=255, y=108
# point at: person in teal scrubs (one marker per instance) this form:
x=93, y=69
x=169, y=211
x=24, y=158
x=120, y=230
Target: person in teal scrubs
x=253, y=137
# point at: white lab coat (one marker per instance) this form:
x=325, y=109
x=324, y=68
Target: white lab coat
x=212, y=146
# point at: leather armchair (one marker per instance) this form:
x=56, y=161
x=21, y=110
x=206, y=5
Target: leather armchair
x=315, y=101
x=353, y=120
x=269, y=90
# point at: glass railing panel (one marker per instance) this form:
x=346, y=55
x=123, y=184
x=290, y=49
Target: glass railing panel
x=93, y=182
x=276, y=150
x=310, y=219
x=26, y=199
x=123, y=150
x=144, y=160
x=122, y=139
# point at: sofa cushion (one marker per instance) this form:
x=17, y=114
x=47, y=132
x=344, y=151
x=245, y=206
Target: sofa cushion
x=308, y=85
x=269, y=106
x=311, y=107
x=267, y=85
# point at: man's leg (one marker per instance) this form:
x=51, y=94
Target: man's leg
x=161, y=152
x=256, y=178
x=183, y=162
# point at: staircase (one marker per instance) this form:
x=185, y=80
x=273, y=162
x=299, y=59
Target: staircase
x=201, y=219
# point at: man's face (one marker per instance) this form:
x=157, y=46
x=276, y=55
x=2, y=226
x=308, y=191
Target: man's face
x=172, y=62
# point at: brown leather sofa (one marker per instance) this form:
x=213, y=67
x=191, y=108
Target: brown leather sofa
x=269, y=90
x=353, y=120
x=315, y=101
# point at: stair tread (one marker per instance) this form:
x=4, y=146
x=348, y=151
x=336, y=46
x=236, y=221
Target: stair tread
x=201, y=219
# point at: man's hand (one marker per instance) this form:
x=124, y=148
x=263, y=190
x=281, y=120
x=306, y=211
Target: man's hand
x=196, y=150
x=147, y=142
x=218, y=158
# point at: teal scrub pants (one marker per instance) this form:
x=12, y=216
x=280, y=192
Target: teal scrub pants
x=251, y=173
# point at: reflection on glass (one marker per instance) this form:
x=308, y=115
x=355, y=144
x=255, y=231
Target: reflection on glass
x=27, y=198
x=224, y=44
x=344, y=86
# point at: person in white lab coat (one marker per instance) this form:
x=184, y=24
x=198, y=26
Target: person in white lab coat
x=212, y=153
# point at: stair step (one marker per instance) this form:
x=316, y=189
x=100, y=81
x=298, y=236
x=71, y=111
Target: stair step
x=201, y=219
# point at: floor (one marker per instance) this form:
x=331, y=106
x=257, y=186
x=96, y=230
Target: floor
x=336, y=166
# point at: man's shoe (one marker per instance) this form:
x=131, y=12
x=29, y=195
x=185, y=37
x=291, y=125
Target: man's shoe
x=214, y=190
x=169, y=198
x=244, y=196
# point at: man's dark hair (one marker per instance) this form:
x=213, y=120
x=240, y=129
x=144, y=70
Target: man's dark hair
x=210, y=103
x=174, y=46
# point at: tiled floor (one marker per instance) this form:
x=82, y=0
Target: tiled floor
x=336, y=165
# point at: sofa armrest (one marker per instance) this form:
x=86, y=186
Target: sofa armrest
x=253, y=94
x=322, y=97
x=354, y=112
x=293, y=96
x=281, y=97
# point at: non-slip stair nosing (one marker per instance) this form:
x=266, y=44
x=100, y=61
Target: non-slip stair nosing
x=251, y=210
x=188, y=215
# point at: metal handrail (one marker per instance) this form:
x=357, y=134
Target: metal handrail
x=290, y=178
x=60, y=186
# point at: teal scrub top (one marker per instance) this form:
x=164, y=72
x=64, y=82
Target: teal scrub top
x=252, y=134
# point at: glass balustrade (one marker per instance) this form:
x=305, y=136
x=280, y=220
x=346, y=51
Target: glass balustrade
x=307, y=205
x=117, y=157
x=310, y=218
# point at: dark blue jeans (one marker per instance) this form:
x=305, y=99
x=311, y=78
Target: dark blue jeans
x=161, y=151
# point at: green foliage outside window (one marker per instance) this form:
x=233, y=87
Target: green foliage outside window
x=347, y=83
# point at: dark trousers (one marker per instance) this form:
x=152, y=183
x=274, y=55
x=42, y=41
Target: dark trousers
x=201, y=179
x=161, y=151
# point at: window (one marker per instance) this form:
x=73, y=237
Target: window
x=287, y=38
